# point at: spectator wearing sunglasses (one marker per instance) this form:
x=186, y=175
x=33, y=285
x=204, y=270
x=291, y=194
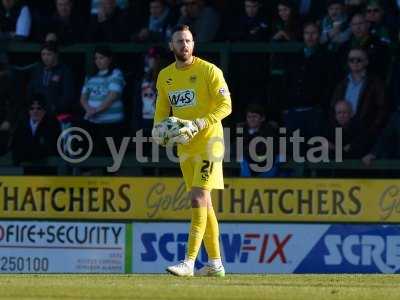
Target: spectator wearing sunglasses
x=35, y=137
x=145, y=89
x=202, y=19
x=378, y=52
x=365, y=93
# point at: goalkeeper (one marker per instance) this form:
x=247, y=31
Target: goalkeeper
x=197, y=94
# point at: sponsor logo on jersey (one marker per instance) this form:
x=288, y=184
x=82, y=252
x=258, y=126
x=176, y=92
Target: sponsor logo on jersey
x=223, y=91
x=182, y=98
x=169, y=81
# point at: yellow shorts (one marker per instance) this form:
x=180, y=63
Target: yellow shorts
x=200, y=171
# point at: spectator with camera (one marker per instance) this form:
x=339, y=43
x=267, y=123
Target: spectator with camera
x=335, y=28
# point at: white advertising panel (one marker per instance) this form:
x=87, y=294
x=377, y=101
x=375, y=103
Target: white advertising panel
x=62, y=247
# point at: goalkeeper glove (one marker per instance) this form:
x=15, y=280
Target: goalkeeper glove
x=179, y=139
x=159, y=138
x=163, y=137
x=191, y=128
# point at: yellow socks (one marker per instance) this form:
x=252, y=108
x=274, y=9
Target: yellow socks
x=211, y=236
x=197, y=229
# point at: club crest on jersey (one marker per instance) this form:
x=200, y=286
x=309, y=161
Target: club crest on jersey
x=193, y=78
x=182, y=98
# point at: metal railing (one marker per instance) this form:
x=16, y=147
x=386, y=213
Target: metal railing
x=132, y=167
x=223, y=49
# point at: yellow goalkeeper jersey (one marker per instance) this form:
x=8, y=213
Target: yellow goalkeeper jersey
x=196, y=91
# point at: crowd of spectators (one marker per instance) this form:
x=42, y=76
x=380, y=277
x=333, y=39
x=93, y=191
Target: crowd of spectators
x=346, y=74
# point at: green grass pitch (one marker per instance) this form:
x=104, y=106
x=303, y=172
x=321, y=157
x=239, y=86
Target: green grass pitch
x=110, y=287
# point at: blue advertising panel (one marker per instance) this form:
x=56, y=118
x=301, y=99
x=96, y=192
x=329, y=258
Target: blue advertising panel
x=355, y=249
x=275, y=248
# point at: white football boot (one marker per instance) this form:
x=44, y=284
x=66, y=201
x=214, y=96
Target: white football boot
x=213, y=271
x=181, y=269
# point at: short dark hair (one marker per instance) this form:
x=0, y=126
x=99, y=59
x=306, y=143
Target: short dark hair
x=255, y=108
x=38, y=98
x=311, y=23
x=107, y=52
x=358, y=15
x=50, y=46
x=361, y=49
x=104, y=50
x=180, y=27
x=287, y=3
x=332, y=2
x=160, y=1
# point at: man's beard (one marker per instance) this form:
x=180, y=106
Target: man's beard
x=182, y=57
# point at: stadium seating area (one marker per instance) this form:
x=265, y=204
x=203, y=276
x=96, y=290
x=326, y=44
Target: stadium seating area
x=293, y=64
